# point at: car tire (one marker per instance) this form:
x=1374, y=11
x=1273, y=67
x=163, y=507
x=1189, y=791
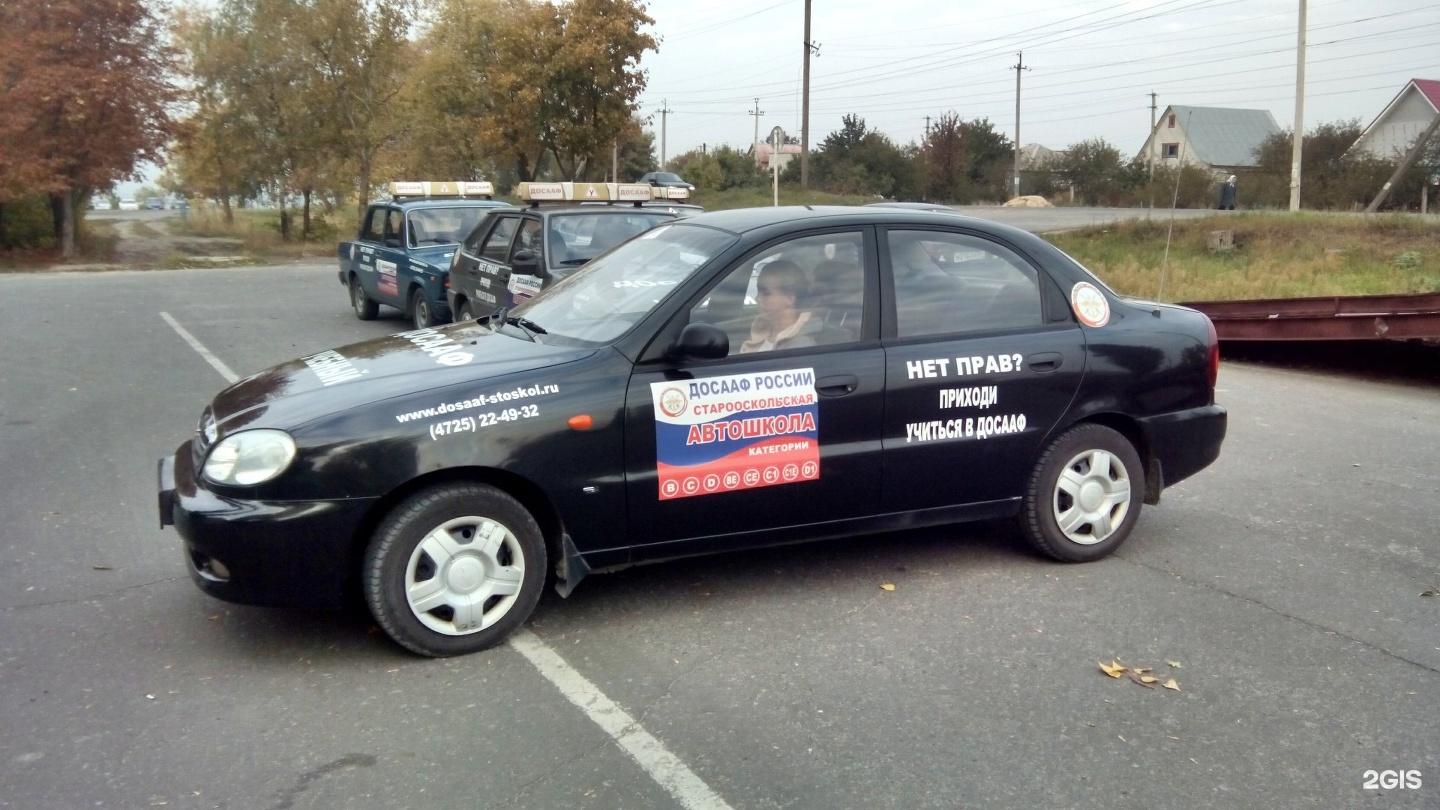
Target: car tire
x=422, y=312
x=365, y=308
x=454, y=569
x=465, y=312
x=1084, y=496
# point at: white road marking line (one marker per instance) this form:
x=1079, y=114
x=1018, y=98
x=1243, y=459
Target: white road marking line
x=200, y=349
x=651, y=754
x=642, y=746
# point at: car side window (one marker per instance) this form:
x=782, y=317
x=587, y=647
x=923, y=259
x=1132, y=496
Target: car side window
x=803, y=292
x=497, y=245
x=528, y=238
x=394, y=228
x=949, y=283
x=374, y=226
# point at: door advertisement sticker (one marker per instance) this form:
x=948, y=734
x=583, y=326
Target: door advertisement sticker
x=743, y=431
x=387, y=283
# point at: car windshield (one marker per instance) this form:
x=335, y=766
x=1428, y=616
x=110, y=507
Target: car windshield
x=603, y=300
x=574, y=239
x=442, y=226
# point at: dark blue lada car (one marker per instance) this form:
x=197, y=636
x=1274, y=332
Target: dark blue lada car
x=732, y=380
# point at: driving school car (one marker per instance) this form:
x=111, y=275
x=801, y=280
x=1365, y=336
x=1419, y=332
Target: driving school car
x=951, y=369
x=513, y=254
x=401, y=255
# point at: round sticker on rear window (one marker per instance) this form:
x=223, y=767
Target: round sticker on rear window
x=1090, y=305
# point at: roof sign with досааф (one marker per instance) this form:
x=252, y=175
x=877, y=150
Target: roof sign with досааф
x=432, y=188
x=596, y=192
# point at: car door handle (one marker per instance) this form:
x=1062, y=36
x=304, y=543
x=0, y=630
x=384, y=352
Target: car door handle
x=837, y=386
x=1045, y=361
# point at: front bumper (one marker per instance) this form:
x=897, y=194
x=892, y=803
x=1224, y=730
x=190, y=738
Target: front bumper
x=273, y=553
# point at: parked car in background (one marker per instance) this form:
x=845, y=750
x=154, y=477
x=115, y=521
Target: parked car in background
x=666, y=180
x=128, y=204
x=401, y=256
x=154, y=204
x=512, y=255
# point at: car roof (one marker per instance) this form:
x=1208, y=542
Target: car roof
x=741, y=220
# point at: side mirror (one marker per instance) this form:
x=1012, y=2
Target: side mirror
x=526, y=262
x=700, y=341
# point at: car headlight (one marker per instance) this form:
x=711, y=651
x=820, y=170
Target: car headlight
x=250, y=457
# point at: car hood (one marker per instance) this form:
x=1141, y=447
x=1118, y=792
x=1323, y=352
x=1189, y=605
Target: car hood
x=293, y=393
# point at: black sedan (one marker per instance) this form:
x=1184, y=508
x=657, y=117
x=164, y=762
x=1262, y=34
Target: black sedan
x=727, y=381
x=666, y=180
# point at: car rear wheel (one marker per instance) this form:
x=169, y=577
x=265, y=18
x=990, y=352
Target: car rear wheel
x=421, y=310
x=454, y=569
x=466, y=313
x=365, y=309
x=1084, y=495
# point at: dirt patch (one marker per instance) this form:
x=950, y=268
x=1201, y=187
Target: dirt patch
x=147, y=243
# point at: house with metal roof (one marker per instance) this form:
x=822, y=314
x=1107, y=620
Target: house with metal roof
x=1391, y=135
x=1217, y=138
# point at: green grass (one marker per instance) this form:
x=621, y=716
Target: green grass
x=1276, y=255
x=259, y=230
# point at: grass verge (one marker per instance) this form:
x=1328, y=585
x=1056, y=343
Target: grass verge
x=1275, y=255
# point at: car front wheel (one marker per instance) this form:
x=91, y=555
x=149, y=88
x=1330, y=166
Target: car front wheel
x=466, y=313
x=454, y=569
x=365, y=309
x=1084, y=496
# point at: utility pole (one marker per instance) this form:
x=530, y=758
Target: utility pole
x=664, y=111
x=1154, y=136
x=1018, y=67
x=805, y=107
x=927, y=127
x=1299, y=134
x=757, y=112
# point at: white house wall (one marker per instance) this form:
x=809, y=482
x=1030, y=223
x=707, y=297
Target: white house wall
x=1392, y=136
x=1165, y=134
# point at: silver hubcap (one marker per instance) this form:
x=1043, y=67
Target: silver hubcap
x=1092, y=497
x=464, y=576
x=422, y=313
x=357, y=298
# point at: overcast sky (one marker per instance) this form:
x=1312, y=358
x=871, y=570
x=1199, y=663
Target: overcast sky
x=1093, y=64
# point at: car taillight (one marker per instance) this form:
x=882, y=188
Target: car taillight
x=1214, y=354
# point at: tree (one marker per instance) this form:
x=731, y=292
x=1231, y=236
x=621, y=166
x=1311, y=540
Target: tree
x=1093, y=169
x=1334, y=176
x=964, y=161
x=86, y=97
x=563, y=81
x=360, y=50
x=449, y=83
x=858, y=160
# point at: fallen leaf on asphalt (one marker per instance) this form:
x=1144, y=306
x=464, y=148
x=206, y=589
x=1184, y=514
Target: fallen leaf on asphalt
x=1175, y=664
x=887, y=587
x=1114, y=669
x=1171, y=684
x=103, y=567
x=1144, y=680
x=1432, y=592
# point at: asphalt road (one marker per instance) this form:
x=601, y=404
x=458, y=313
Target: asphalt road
x=1284, y=583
